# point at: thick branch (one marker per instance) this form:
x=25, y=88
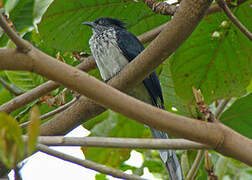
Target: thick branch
x=128, y=143
x=86, y=163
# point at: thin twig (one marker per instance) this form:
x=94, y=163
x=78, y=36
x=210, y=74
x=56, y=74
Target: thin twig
x=22, y=45
x=221, y=107
x=51, y=113
x=14, y=90
x=236, y=21
x=195, y=166
x=111, y=142
x=209, y=167
x=86, y=163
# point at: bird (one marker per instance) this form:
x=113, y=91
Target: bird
x=113, y=47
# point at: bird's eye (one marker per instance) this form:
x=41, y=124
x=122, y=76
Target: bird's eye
x=100, y=22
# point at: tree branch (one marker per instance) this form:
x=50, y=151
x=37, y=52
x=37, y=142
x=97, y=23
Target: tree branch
x=236, y=21
x=87, y=164
x=111, y=142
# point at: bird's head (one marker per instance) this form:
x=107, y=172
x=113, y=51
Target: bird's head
x=104, y=23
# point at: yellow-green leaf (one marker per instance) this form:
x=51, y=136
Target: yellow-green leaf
x=12, y=147
x=33, y=129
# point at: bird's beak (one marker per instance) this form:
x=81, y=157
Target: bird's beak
x=91, y=24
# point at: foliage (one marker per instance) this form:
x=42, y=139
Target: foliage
x=12, y=147
x=239, y=116
x=215, y=59
x=33, y=129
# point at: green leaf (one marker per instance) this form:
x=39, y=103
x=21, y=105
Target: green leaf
x=3, y=40
x=5, y=96
x=101, y=177
x=96, y=120
x=12, y=147
x=115, y=125
x=22, y=14
x=61, y=24
x=215, y=59
x=171, y=99
x=221, y=167
x=33, y=129
x=24, y=80
x=9, y=5
x=185, y=164
x=154, y=166
x=249, y=88
x=40, y=7
x=239, y=116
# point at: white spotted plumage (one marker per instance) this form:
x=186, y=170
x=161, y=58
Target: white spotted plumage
x=107, y=54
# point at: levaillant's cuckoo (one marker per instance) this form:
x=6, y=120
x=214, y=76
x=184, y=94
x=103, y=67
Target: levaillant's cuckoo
x=113, y=47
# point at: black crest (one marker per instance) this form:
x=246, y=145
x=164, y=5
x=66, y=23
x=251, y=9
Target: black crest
x=105, y=21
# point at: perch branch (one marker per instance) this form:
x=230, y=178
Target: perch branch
x=111, y=142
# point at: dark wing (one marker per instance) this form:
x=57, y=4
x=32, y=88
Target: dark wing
x=131, y=47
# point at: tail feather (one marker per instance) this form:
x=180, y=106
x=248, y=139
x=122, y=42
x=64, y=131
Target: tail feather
x=169, y=158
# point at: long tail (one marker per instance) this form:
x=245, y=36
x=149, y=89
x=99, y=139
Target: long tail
x=169, y=158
